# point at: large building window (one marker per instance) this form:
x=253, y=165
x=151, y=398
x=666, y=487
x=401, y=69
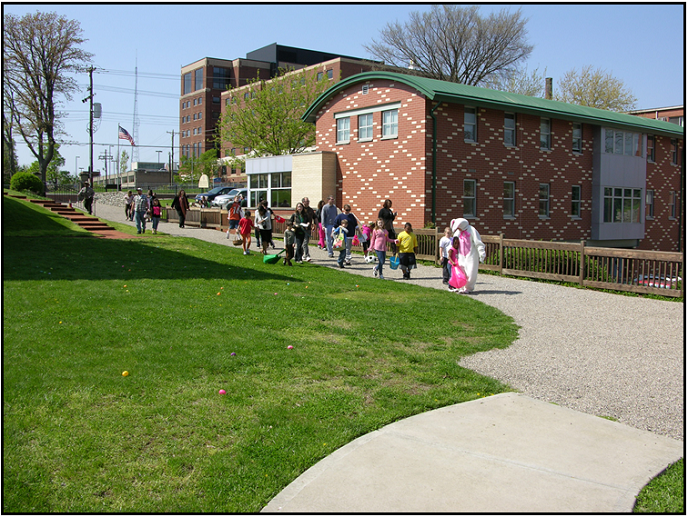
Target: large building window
x=576, y=201
x=198, y=79
x=622, y=142
x=509, y=201
x=622, y=205
x=674, y=151
x=469, y=124
x=545, y=133
x=469, y=198
x=672, y=204
x=275, y=187
x=577, y=145
x=220, y=78
x=187, y=83
x=510, y=129
x=543, y=205
x=343, y=130
x=365, y=127
x=390, y=128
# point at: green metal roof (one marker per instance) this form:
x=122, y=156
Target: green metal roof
x=444, y=91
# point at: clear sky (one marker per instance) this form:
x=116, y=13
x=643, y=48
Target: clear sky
x=640, y=44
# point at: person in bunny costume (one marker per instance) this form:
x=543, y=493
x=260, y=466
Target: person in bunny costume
x=471, y=251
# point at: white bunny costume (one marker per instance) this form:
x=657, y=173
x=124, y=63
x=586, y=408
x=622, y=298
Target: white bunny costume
x=471, y=251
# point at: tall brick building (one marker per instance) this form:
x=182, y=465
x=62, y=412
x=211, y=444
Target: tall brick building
x=528, y=167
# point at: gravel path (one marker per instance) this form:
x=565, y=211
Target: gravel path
x=598, y=353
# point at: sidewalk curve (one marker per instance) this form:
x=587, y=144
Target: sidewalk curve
x=505, y=453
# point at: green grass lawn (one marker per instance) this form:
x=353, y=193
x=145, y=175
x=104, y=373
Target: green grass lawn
x=187, y=318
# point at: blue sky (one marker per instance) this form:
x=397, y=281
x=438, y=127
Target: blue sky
x=640, y=44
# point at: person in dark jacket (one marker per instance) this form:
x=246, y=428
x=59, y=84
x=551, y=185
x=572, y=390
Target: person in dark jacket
x=181, y=204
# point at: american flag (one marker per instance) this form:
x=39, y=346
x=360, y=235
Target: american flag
x=124, y=135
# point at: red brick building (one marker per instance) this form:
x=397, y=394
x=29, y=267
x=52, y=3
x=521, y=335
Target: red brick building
x=528, y=167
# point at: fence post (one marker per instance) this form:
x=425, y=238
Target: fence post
x=501, y=253
x=581, y=273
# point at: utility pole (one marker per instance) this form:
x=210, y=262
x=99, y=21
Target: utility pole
x=106, y=156
x=172, y=162
x=90, y=126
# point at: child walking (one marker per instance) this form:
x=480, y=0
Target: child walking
x=453, y=259
x=378, y=243
x=341, y=232
x=156, y=212
x=289, y=240
x=408, y=247
x=245, y=227
x=445, y=244
x=366, y=230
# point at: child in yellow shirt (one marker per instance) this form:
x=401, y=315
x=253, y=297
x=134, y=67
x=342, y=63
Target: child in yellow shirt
x=408, y=247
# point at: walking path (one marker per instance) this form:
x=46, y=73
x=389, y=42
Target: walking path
x=591, y=354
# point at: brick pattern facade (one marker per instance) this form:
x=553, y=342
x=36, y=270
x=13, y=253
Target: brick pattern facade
x=401, y=168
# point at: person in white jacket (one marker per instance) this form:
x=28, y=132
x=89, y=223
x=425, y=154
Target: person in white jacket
x=471, y=251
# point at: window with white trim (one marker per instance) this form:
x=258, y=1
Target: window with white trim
x=543, y=203
x=577, y=145
x=650, y=148
x=509, y=201
x=343, y=130
x=390, y=126
x=674, y=151
x=545, y=133
x=576, y=201
x=365, y=127
x=622, y=142
x=649, y=204
x=470, y=124
x=622, y=205
x=469, y=198
x=510, y=129
x=672, y=204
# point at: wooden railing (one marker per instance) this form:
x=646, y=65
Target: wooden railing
x=638, y=271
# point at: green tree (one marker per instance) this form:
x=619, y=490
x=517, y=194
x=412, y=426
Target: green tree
x=192, y=167
x=9, y=154
x=595, y=88
x=454, y=43
x=269, y=121
x=39, y=51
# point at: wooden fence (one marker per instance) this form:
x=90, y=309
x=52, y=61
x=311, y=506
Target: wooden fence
x=637, y=271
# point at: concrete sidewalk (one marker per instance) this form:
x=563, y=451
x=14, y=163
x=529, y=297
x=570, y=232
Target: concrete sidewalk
x=506, y=453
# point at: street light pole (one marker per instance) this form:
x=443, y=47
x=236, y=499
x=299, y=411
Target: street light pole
x=76, y=168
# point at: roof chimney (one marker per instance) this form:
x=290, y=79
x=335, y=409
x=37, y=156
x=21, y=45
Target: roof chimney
x=548, y=88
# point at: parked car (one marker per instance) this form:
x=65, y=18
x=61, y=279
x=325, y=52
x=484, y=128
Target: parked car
x=211, y=194
x=660, y=281
x=225, y=199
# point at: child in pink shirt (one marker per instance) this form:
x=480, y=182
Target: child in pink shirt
x=378, y=243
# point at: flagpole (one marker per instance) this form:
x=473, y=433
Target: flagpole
x=119, y=168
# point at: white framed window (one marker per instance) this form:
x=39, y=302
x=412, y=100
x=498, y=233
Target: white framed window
x=469, y=201
x=622, y=205
x=622, y=142
x=343, y=130
x=649, y=204
x=672, y=204
x=650, y=148
x=509, y=199
x=545, y=133
x=365, y=127
x=510, y=129
x=275, y=187
x=576, y=201
x=390, y=125
x=674, y=151
x=577, y=144
x=543, y=205
x=470, y=124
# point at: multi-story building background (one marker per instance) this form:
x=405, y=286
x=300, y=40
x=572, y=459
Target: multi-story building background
x=673, y=114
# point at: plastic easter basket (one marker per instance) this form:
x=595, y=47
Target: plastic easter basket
x=394, y=262
x=272, y=259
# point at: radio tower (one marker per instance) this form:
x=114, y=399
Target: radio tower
x=135, y=125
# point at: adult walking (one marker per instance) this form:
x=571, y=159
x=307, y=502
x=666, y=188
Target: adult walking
x=181, y=205
x=263, y=222
x=328, y=217
x=388, y=216
x=128, y=200
x=301, y=223
x=321, y=230
x=87, y=194
x=306, y=240
x=471, y=251
x=352, y=225
x=140, y=209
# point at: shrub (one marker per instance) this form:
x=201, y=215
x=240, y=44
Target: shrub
x=26, y=181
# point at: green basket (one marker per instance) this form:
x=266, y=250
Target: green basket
x=272, y=259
